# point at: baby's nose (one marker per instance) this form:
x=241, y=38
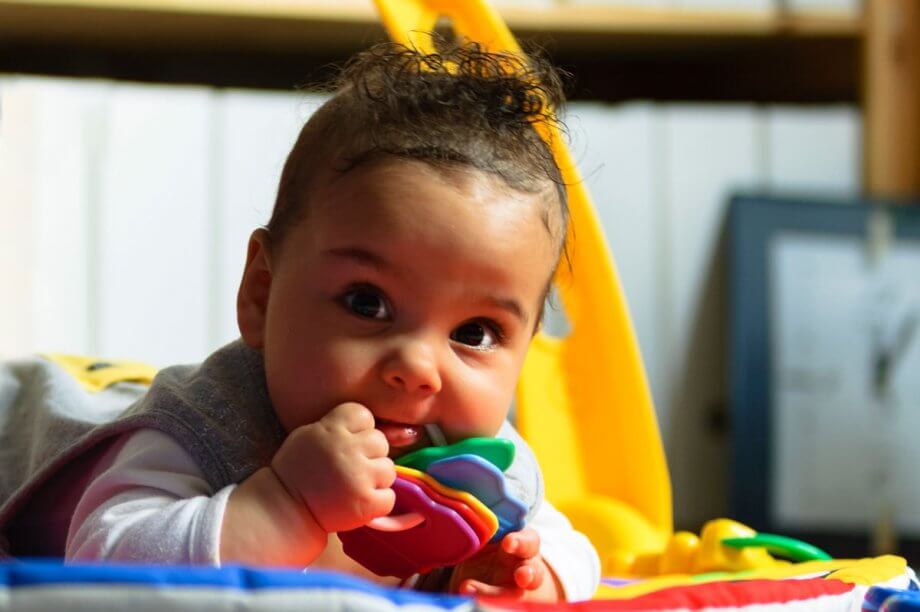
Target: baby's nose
x=413, y=367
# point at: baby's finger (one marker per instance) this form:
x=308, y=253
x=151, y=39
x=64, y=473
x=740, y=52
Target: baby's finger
x=383, y=472
x=353, y=416
x=373, y=503
x=530, y=576
x=380, y=503
x=374, y=443
x=523, y=544
x=478, y=588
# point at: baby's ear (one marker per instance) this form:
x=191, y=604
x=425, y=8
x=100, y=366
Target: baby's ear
x=252, y=298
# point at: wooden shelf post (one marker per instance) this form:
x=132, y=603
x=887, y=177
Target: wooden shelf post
x=892, y=98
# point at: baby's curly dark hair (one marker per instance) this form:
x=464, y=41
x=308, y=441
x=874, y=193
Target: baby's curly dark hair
x=460, y=106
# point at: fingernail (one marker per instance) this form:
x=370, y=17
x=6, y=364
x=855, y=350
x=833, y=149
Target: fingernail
x=525, y=576
x=511, y=546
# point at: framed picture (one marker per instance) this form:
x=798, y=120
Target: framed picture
x=824, y=300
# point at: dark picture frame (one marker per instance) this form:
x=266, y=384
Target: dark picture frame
x=755, y=220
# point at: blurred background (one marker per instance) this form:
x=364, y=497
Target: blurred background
x=141, y=142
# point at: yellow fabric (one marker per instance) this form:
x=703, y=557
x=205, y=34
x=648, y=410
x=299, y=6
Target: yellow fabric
x=583, y=402
x=95, y=374
x=867, y=572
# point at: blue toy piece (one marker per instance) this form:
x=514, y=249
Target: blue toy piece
x=479, y=477
x=887, y=599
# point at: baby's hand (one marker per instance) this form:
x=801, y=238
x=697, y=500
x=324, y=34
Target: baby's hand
x=511, y=568
x=338, y=468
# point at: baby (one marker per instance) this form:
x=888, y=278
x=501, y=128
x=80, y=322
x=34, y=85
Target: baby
x=389, y=303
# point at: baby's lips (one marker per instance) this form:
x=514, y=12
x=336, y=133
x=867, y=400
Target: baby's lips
x=400, y=434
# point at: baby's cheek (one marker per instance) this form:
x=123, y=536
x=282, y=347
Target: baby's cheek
x=482, y=418
x=476, y=397
x=349, y=361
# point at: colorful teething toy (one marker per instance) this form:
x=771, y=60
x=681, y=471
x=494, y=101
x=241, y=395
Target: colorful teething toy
x=450, y=502
x=480, y=518
x=482, y=479
x=439, y=540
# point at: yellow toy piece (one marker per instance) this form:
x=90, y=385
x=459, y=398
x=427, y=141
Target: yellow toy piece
x=583, y=402
x=685, y=553
x=95, y=374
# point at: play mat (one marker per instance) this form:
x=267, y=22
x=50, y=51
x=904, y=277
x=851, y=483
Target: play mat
x=884, y=583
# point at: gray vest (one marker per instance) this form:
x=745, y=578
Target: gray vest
x=219, y=411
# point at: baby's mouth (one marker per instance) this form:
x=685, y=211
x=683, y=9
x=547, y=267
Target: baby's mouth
x=401, y=437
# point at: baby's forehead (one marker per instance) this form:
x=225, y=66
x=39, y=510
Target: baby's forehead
x=399, y=174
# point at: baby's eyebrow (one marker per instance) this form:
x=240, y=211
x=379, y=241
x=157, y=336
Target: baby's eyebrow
x=371, y=259
x=361, y=256
x=508, y=304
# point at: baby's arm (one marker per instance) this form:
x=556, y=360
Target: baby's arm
x=151, y=502
x=148, y=502
x=569, y=554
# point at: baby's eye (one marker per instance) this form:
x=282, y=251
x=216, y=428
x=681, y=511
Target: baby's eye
x=477, y=334
x=367, y=303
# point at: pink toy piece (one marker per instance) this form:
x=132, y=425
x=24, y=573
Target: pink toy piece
x=400, y=522
x=477, y=476
x=443, y=539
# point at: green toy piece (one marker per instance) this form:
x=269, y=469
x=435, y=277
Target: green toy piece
x=781, y=546
x=499, y=453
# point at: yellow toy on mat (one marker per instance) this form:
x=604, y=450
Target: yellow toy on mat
x=95, y=374
x=583, y=401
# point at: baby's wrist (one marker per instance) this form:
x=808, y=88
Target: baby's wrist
x=264, y=524
x=298, y=506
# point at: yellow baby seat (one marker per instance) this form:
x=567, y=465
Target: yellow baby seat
x=583, y=401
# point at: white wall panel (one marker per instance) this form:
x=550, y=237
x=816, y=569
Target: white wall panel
x=616, y=3
x=814, y=150
x=616, y=149
x=854, y=6
x=71, y=117
x=47, y=167
x=154, y=243
x=255, y=132
x=710, y=151
x=759, y=5
x=524, y=3
x=17, y=169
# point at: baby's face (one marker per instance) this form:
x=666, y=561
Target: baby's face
x=410, y=290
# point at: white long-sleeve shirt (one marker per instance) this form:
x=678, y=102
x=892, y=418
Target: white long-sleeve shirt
x=148, y=500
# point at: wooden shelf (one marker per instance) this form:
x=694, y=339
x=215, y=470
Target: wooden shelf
x=274, y=43
x=613, y=20
x=313, y=26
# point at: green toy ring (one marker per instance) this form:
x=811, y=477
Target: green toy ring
x=781, y=546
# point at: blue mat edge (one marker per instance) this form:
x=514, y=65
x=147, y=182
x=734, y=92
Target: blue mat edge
x=32, y=573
